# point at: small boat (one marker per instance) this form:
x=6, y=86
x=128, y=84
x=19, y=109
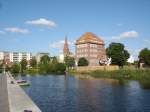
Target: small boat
x=22, y=83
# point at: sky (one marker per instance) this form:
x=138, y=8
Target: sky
x=42, y=25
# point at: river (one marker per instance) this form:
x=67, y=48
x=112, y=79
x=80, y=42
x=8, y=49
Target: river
x=59, y=93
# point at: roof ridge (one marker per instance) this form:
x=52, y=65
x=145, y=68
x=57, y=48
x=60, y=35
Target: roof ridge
x=89, y=37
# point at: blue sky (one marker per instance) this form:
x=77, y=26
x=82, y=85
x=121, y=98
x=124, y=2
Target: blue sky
x=41, y=25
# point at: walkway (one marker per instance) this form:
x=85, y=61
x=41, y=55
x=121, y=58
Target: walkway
x=18, y=99
x=4, y=105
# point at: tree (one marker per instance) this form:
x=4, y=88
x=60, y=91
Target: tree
x=83, y=62
x=69, y=61
x=45, y=59
x=44, y=64
x=23, y=64
x=144, y=56
x=1, y=67
x=54, y=60
x=33, y=62
x=117, y=53
x=15, y=68
x=60, y=68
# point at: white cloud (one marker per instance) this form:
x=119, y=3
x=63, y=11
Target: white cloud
x=128, y=34
x=59, y=44
x=147, y=41
x=16, y=30
x=42, y=22
x=2, y=32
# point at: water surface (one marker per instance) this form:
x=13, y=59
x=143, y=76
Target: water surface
x=59, y=93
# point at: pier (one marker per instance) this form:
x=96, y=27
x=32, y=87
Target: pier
x=13, y=98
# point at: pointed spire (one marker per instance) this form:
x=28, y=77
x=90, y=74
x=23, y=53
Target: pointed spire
x=66, y=48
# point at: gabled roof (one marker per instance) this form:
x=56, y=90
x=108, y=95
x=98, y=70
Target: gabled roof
x=89, y=37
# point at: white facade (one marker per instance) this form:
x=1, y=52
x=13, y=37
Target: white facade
x=15, y=56
x=1, y=55
x=131, y=59
x=60, y=58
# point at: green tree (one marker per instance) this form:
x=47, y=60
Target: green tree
x=69, y=61
x=54, y=60
x=83, y=62
x=44, y=68
x=44, y=64
x=45, y=59
x=60, y=68
x=144, y=56
x=15, y=68
x=117, y=53
x=33, y=62
x=1, y=67
x=23, y=64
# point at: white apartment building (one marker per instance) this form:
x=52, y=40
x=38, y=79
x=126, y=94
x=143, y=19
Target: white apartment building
x=15, y=56
x=1, y=55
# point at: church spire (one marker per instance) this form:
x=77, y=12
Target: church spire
x=66, y=48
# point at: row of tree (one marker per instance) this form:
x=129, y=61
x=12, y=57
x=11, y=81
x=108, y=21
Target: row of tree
x=115, y=51
x=120, y=56
x=46, y=65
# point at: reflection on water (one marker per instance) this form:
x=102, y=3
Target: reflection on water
x=145, y=83
x=70, y=94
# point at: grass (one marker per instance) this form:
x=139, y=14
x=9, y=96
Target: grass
x=126, y=73
x=122, y=75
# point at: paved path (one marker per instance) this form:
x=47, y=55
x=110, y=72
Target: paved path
x=18, y=99
x=4, y=105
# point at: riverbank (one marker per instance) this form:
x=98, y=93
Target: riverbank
x=122, y=75
x=126, y=73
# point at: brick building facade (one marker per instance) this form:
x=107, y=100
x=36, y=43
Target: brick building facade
x=92, y=48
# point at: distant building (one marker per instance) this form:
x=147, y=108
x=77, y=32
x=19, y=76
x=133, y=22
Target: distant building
x=66, y=52
x=1, y=55
x=61, y=58
x=39, y=55
x=10, y=57
x=66, y=48
x=92, y=48
x=131, y=59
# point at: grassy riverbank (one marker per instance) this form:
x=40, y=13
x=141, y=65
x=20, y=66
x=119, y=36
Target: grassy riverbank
x=122, y=75
x=126, y=73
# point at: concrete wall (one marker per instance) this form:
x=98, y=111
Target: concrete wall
x=95, y=68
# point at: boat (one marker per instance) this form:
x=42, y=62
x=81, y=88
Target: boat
x=22, y=82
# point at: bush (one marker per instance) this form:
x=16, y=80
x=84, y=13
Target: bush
x=60, y=67
x=83, y=62
x=15, y=68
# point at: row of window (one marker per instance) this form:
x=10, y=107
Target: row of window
x=86, y=45
x=86, y=50
x=82, y=55
x=82, y=45
x=86, y=55
x=94, y=45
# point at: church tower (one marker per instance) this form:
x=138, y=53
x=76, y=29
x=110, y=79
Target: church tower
x=66, y=48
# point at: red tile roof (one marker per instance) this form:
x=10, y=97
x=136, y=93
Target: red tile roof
x=89, y=37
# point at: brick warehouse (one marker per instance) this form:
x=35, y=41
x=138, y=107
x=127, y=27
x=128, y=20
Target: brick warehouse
x=90, y=47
